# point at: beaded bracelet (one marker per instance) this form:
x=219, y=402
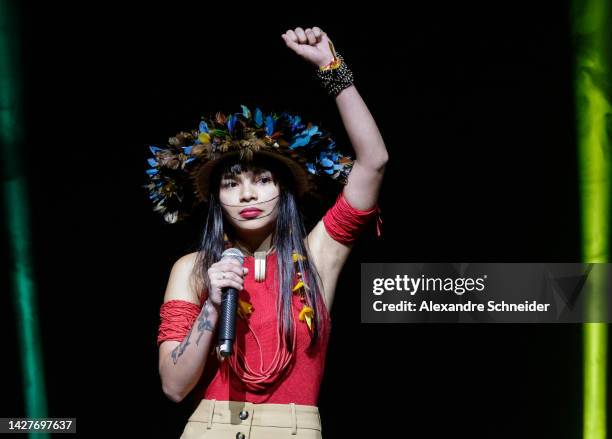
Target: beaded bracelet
x=334, y=64
x=334, y=80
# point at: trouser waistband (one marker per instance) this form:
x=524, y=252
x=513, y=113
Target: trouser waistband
x=247, y=413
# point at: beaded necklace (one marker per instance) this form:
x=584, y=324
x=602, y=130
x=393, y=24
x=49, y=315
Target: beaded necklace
x=300, y=288
x=257, y=380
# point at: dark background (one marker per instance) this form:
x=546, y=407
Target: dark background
x=475, y=103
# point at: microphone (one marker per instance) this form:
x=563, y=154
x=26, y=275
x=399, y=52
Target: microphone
x=229, y=306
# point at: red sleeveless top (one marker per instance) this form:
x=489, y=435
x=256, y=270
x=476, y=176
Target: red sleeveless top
x=301, y=380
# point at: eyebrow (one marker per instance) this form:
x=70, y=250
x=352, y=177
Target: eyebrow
x=256, y=172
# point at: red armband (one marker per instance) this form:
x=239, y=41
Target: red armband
x=344, y=223
x=177, y=317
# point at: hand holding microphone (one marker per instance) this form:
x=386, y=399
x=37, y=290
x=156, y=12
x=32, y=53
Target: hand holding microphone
x=226, y=273
x=227, y=279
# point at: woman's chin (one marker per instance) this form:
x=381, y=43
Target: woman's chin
x=254, y=224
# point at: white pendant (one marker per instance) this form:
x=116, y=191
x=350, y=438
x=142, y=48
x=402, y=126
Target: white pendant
x=260, y=266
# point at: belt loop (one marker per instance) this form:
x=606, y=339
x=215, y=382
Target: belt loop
x=212, y=413
x=293, y=419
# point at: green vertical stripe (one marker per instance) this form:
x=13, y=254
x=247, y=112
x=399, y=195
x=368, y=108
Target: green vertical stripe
x=14, y=195
x=591, y=26
x=595, y=337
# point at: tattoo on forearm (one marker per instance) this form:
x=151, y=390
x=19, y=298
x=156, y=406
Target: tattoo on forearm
x=204, y=322
x=178, y=351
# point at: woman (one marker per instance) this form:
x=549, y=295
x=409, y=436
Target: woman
x=252, y=171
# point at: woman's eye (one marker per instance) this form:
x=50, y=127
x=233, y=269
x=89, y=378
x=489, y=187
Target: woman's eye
x=230, y=184
x=265, y=179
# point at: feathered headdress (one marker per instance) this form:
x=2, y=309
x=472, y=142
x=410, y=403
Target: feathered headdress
x=179, y=172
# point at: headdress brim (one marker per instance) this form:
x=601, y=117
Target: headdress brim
x=200, y=176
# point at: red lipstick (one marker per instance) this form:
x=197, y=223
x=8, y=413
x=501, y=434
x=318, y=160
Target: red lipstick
x=250, y=212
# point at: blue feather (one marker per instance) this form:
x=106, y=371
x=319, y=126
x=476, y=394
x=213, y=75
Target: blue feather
x=154, y=149
x=187, y=149
x=152, y=162
x=295, y=122
x=327, y=163
x=300, y=141
x=269, y=125
x=203, y=127
x=314, y=130
x=310, y=131
x=246, y=112
x=325, y=155
x=190, y=160
x=304, y=137
x=258, y=117
x=231, y=121
x=152, y=171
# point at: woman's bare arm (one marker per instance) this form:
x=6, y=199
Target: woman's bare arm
x=181, y=363
x=362, y=188
x=371, y=156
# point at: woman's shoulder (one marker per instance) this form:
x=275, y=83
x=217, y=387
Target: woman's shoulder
x=185, y=265
x=182, y=283
x=188, y=260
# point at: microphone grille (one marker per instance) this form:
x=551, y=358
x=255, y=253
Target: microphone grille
x=234, y=253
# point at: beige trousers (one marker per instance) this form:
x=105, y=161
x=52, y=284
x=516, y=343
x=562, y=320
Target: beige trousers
x=246, y=420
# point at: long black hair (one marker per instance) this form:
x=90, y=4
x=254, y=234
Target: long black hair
x=288, y=237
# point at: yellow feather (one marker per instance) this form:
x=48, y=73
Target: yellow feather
x=309, y=322
x=307, y=313
x=244, y=308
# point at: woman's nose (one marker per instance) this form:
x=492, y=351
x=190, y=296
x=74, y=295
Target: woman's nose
x=248, y=192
